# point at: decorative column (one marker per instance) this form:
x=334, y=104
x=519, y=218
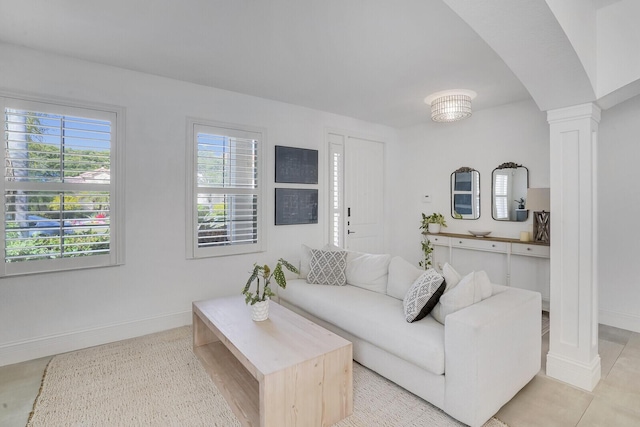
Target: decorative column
x=573, y=342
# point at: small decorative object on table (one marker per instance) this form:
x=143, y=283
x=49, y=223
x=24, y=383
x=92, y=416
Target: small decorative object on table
x=480, y=233
x=539, y=201
x=260, y=299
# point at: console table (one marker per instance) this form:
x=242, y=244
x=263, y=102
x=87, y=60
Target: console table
x=508, y=262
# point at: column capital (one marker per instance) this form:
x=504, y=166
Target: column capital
x=576, y=112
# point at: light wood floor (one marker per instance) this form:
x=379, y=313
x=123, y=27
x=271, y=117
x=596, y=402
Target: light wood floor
x=544, y=402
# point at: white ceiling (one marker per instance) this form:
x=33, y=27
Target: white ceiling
x=374, y=60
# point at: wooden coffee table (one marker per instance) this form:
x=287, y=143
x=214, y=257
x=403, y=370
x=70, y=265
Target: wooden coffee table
x=284, y=371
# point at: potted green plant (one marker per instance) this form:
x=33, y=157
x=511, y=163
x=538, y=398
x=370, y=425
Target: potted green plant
x=427, y=249
x=433, y=223
x=259, y=300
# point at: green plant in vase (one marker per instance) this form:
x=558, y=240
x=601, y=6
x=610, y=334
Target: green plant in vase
x=430, y=224
x=427, y=249
x=433, y=223
x=262, y=275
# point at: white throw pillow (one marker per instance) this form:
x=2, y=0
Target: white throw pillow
x=472, y=288
x=423, y=295
x=327, y=267
x=368, y=271
x=451, y=276
x=402, y=274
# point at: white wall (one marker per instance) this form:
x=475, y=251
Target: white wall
x=618, y=209
x=52, y=313
x=519, y=132
x=432, y=151
x=618, y=39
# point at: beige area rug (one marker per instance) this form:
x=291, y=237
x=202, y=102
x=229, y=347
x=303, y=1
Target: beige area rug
x=156, y=380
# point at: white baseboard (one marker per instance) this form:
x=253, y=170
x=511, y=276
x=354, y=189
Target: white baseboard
x=585, y=376
x=20, y=351
x=626, y=321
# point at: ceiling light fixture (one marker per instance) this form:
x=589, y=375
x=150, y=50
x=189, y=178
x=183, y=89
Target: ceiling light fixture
x=450, y=105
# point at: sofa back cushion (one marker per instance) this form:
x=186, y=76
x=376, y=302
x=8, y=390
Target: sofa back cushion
x=402, y=275
x=368, y=271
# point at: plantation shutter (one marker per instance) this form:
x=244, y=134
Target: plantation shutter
x=226, y=195
x=501, y=193
x=57, y=187
x=336, y=151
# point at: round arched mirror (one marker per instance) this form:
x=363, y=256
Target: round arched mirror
x=509, y=183
x=465, y=193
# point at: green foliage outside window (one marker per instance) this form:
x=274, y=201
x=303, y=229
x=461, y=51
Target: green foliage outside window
x=46, y=246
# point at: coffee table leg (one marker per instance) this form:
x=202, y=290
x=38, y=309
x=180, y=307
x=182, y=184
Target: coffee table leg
x=338, y=385
x=201, y=333
x=318, y=392
x=293, y=396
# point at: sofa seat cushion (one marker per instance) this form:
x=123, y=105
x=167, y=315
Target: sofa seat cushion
x=373, y=317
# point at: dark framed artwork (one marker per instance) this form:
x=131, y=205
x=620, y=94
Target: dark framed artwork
x=296, y=165
x=296, y=206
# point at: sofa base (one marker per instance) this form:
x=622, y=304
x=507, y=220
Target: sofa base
x=420, y=382
x=491, y=349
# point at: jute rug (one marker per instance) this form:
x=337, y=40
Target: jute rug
x=156, y=380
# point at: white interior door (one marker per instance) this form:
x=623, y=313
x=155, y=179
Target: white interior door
x=364, y=195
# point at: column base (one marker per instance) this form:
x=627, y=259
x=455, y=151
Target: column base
x=584, y=376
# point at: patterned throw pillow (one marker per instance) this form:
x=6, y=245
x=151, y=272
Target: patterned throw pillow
x=327, y=267
x=423, y=295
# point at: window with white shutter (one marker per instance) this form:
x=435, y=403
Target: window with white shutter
x=59, y=187
x=224, y=190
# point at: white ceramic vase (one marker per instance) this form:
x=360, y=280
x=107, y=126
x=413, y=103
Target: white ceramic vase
x=433, y=228
x=260, y=311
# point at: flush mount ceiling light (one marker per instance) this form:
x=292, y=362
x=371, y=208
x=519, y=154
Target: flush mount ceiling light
x=450, y=105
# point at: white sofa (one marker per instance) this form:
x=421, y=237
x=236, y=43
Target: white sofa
x=469, y=367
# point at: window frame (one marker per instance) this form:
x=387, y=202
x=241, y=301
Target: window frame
x=58, y=106
x=193, y=251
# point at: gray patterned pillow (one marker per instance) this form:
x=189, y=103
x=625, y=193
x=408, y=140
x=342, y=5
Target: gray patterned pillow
x=423, y=295
x=327, y=267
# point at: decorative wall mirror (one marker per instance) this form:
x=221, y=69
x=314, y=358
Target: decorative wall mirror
x=465, y=193
x=509, y=192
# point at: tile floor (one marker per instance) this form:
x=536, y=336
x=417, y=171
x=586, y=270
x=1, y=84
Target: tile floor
x=545, y=402
x=615, y=402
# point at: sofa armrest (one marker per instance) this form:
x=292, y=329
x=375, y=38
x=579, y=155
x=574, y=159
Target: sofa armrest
x=492, y=350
